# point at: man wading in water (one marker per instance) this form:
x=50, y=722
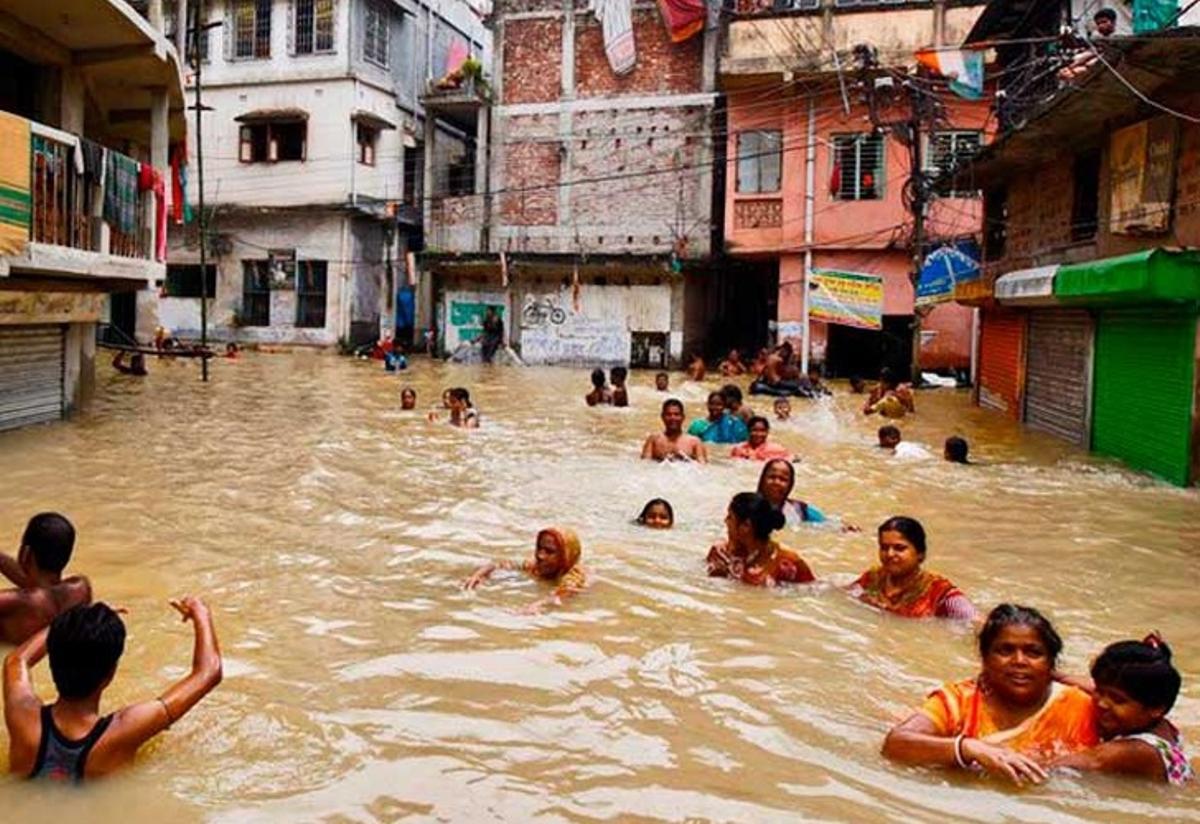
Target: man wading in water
x=673, y=444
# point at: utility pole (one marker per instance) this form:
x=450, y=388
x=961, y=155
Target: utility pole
x=198, y=29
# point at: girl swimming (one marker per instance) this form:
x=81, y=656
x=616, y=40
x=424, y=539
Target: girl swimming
x=657, y=514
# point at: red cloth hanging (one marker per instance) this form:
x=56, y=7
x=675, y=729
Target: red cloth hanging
x=150, y=178
x=684, y=18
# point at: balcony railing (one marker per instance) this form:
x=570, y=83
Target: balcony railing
x=68, y=204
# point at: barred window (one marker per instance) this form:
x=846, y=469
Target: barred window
x=252, y=28
x=375, y=32
x=858, y=166
x=311, y=277
x=946, y=150
x=256, y=293
x=759, y=161
x=313, y=26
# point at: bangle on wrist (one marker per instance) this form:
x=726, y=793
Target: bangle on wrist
x=958, y=752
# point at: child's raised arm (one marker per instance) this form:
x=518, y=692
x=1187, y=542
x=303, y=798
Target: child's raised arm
x=22, y=707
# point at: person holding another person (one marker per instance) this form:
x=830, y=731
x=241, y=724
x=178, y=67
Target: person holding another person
x=1013, y=719
x=748, y=553
x=657, y=514
x=41, y=593
x=68, y=740
x=721, y=426
x=673, y=444
x=756, y=446
x=890, y=398
x=555, y=561
x=900, y=585
x=600, y=393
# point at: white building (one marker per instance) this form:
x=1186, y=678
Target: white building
x=313, y=159
x=83, y=84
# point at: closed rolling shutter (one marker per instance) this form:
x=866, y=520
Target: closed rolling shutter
x=1142, y=412
x=31, y=375
x=1058, y=372
x=1001, y=341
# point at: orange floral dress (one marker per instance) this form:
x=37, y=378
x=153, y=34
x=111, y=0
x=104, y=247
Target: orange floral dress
x=781, y=567
x=930, y=596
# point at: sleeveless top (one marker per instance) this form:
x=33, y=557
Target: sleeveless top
x=1176, y=768
x=58, y=757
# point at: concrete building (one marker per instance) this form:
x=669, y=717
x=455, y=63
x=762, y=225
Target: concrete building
x=589, y=224
x=812, y=186
x=1090, y=295
x=314, y=153
x=91, y=96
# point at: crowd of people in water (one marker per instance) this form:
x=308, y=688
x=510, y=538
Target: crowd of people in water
x=1019, y=717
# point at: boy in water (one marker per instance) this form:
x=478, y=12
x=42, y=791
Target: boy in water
x=673, y=444
x=889, y=437
x=697, y=368
x=620, y=393
x=733, y=402
x=783, y=409
x=408, y=398
x=955, y=450
x=600, y=393
x=41, y=592
x=68, y=740
x=662, y=381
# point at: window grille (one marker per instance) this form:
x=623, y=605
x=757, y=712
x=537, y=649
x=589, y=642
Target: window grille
x=858, y=166
x=252, y=28
x=375, y=33
x=256, y=293
x=313, y=26
x=310, y=293
x=946, y=150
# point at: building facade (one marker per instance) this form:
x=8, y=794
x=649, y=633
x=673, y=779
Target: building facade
x=314, y=157
x=812, y=186
x=91, y=96
x=590, y=226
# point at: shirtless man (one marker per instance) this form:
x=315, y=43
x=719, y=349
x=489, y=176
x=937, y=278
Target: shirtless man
x=732, y=366
x=41, y=592
x=696, y=368
x=889, y=386
x=673, y=444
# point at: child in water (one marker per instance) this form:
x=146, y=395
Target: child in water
x=783, y=409
x=1134, y=687
x=600, y=393
x=40, y=593
x=67, y=740
x=657, y=514
x=555, y=560
x=408, y=398
x=620, y=393
x=956, y=449
x=662, y=382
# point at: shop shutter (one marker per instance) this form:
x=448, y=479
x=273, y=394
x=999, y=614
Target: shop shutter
x=31, y=375
x=1142, y=412
x=1058, y=372
x=1001, y=341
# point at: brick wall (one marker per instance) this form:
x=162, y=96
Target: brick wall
x=528, y=165
x=532, y=60
x=662, y=67
x=1039, y=213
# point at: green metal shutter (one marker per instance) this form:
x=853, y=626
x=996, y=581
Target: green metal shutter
x=1143, y=389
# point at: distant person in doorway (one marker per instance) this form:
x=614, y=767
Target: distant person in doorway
x=732, y=366
x=68, y=741
x=783, y=409
x=697, y=368
x=662, y=382
x=721, y=426
x=620, y=392
x=135, y=367
x=673, y=444
x=657, y=514
x=899, y=584
x=748, y=553
x=890, y=398
x=408, y=398
x=600, y=394
x=756, y=446
x=40, y=593
x=493, y=334
x=956, y=449
x=555, y=561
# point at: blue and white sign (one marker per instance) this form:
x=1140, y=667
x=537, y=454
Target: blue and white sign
x=944, y=267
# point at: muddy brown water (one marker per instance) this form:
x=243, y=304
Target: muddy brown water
x=330, y=532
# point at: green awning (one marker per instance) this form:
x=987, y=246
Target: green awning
x=1149, y=276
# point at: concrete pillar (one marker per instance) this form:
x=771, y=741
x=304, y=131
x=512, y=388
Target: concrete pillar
x=71, y=101
x=482, y=127
x=181, y=27
x=939, y=22
x=155, y=14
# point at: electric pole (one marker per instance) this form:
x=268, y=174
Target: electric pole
x=198, y=29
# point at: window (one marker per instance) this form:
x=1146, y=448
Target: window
x=414, y=170
x=460, y=175
x=995, y=223
x=759, y=161
x=183, y=280
x=857, y=166
x=251, y=28
x=375, y=32
x=946, y=150
x=272, y=141
x=256, y=293
x=313, y=33
x=170, y=13
x=310, y=293
x=1085, y=208
x=367, y=137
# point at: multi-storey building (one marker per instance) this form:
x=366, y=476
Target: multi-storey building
x=91, y=96
x=313, y=152
x=812, y=185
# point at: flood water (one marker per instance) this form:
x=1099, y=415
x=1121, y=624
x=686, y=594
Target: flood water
x=330, y=533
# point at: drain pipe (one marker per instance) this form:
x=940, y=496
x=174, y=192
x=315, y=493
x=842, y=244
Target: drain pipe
x=810, y=182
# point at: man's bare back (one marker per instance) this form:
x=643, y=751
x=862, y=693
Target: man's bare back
x=25, y=611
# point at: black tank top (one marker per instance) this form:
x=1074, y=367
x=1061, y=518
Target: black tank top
x=61, y=759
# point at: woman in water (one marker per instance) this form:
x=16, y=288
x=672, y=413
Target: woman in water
x=721, y=425
x=900, y=585
x=1134, y=685
x=775, y=484
x=1013, y=718
x=756, y=447
x=748, y=553
x=890, y=398
x=657, y=514
x=555, y=561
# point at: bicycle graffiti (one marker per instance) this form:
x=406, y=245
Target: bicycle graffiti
x=540, y=312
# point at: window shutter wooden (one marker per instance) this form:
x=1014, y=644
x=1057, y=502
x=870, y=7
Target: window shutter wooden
x=245, y=144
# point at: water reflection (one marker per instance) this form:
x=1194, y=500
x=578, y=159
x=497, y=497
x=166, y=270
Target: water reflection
x=330, y=532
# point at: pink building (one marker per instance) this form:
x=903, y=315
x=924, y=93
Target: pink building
x=810, y=183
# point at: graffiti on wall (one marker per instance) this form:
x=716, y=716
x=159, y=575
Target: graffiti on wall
x=540, y=310
x=464, y=313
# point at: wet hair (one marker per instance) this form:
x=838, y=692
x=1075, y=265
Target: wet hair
x=782, y=399
x=910, y=528
x=653, y=502
x=84, y=643
x=731, y=393
x=752, y=507
x=673, y=402
x=887, y=377
x=791, y=474
x=718, y=395
x=661, y=375
x=50, y=537
x=1140, y=669
x=1105, y=14
x=459, y=393
x=756, y=420
x=619, y=374
x=408, y=390
x=956, y=449
x=1014, y=615
x=889, y=430
x=598, y=378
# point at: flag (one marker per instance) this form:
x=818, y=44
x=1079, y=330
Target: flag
x=503, y=270
x=964, y=69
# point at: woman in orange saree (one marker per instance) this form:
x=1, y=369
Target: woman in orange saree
x=900, y=584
